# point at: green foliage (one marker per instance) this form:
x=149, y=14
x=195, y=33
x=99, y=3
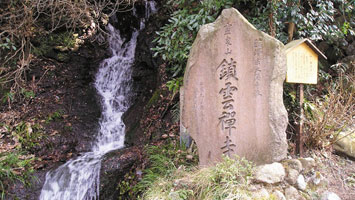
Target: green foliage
x=174, y=40
x=8, y=97
x=46, y=43
x=227, y=180
x=175, y=112
x=7, y=44
x=163, y=162
x=175, y=84
x=154, y=98
x=55, y=116
x=329, y=20
x=27, y=94
x=14, y=166
x=28, y=135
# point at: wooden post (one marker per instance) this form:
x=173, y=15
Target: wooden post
x=299, y=144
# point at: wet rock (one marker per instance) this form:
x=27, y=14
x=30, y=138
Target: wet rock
x=114, y=166
x=145, y=80
x=270, y=173
x=66, y=87
x=350, y=49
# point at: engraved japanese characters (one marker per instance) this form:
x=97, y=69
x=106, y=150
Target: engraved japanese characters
x=232, y=94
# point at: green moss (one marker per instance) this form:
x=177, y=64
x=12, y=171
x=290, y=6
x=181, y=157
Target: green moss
x=154, y=98
x=63, y=57
x=47, y=43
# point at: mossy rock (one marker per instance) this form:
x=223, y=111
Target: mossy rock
x=154, y=98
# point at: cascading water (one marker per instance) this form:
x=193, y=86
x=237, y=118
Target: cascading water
x=79, y=178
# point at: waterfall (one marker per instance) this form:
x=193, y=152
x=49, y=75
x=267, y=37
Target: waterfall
x=79, y=178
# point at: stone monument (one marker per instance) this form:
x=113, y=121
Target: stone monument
x=231, y=102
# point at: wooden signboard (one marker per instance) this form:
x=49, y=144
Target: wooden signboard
x=302, y=62
x=302, y=68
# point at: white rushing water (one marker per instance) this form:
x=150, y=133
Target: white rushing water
x=79, y=178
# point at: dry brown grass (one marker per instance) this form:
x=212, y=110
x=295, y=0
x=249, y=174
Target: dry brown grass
x=22, y=20
x=331, y=113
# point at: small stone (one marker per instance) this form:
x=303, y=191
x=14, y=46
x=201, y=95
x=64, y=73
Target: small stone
x=308, y=163
x=271, y=173
x=164, y=136
x=189, y=157
x=291, y=193
x=293, y=164
x=279, y=195
x=301, y=183
x=329, y=196
x=261, y=194
x=317, y=178
x=292, y=176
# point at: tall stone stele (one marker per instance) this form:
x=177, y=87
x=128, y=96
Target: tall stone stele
x=231, y=102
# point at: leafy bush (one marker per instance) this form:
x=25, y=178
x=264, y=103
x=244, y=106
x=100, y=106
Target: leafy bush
x=330, y=20
x=174, y=40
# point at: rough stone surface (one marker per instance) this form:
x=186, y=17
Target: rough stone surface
x=261, y=194
x=346, y=144
x=350, y=50
x=271, y=173
x=308, y=164
x=292, y=176
x=233, y=89
x=279, y=195
x=114, y=166
x=329, y=196
x=301, y=183
x=291, y=193
x=293, y=164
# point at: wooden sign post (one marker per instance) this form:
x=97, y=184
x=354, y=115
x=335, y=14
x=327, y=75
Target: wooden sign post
x=302, y=68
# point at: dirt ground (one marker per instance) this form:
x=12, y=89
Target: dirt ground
x=339, y=171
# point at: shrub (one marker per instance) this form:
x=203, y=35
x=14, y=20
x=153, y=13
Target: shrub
x=23, y=21
x=331, y=113
x=226, y=180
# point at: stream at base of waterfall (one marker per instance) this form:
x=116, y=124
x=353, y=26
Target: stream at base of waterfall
x=79, y=178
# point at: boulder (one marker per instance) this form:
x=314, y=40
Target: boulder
x=232, y=96
x=270, y=173
x=346, y=142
